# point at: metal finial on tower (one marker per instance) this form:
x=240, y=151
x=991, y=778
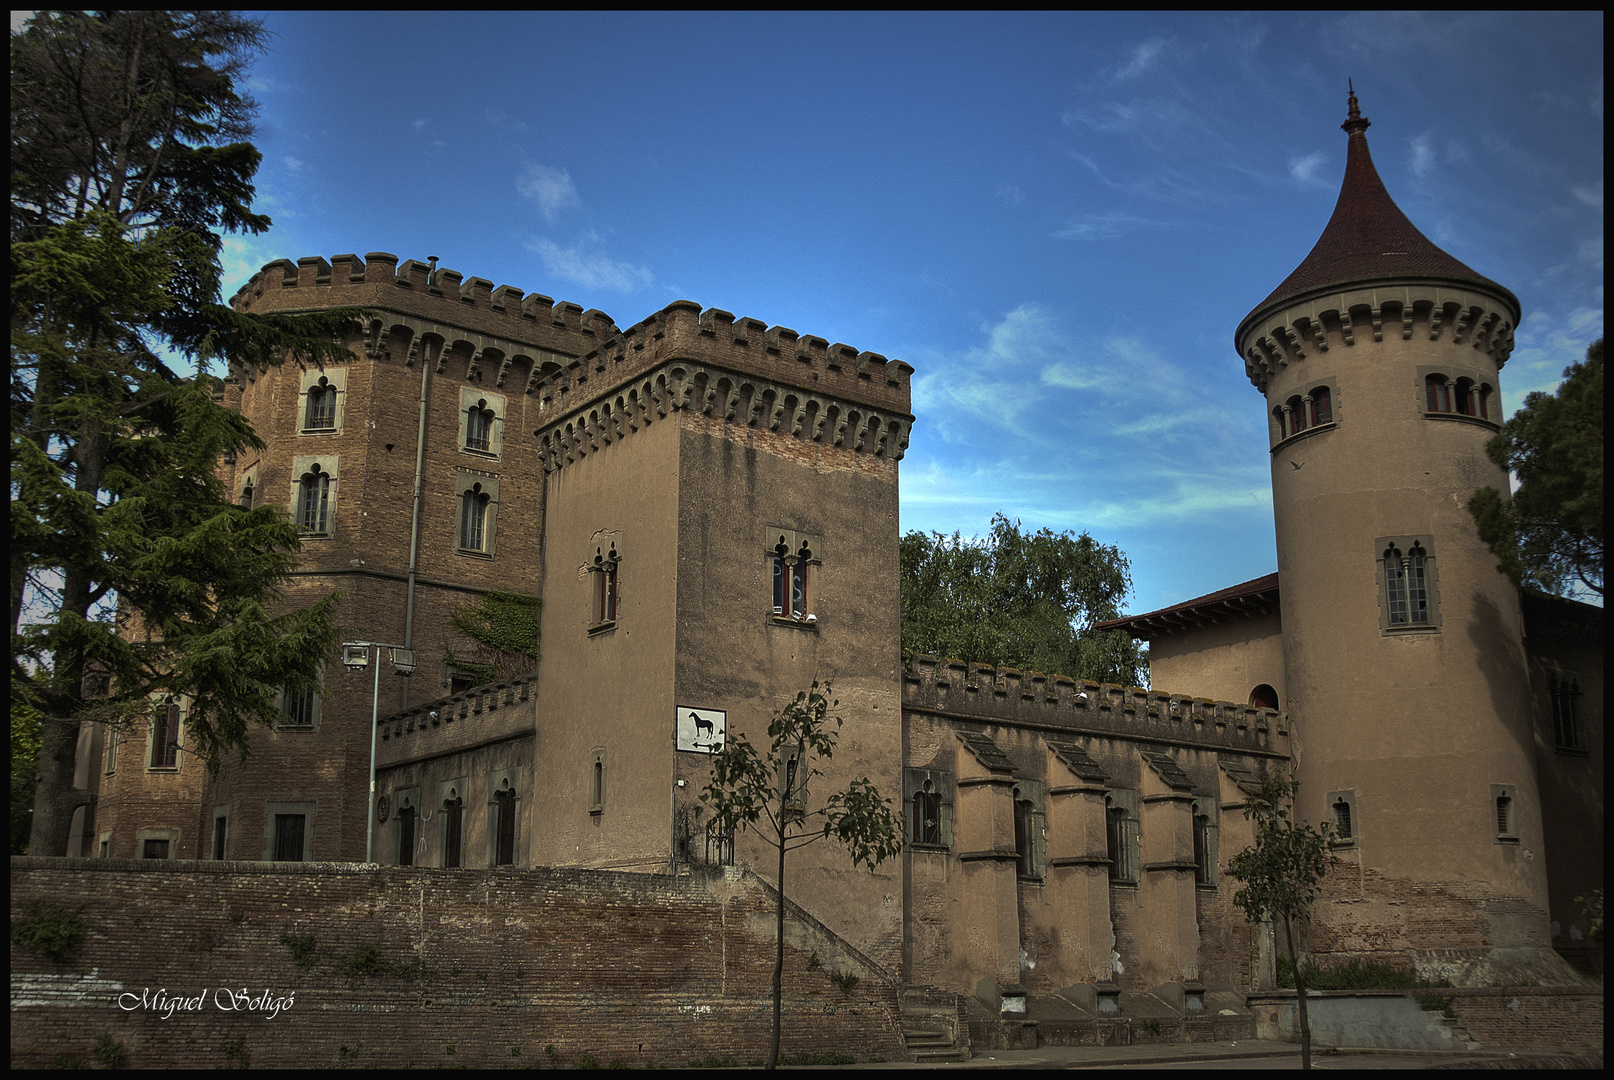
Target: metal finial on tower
x=1354, y=120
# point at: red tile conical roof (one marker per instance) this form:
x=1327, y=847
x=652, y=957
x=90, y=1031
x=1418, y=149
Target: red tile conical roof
x=1369, y=237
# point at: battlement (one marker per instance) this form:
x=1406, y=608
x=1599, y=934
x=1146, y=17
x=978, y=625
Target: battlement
x=1031, y=698
x=682, y=330
x=736, y=370
x=468, y=719
x=432, y=295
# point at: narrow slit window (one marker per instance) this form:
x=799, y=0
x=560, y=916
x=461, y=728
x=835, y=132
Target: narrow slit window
x=165, y=736
x=1395, y=583
x=453, y=830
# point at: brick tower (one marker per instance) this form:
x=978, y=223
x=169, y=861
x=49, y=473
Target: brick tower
x=414, y=494
x=1404, y=661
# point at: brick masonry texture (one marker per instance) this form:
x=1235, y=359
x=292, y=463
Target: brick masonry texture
x=637, y=968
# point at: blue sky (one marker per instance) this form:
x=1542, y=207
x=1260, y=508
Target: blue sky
x=1057, y=219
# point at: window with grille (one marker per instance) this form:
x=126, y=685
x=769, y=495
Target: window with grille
x=154, y=849
x=321, y=414
x=479, y=427
x=1504, y=813
x=289, y=837
x=1407, y=584
x=298, y=710
x=1565, y=691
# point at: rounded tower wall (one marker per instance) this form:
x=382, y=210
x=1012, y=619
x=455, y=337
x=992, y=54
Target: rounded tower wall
x=1418, y=720
x=1406, y=675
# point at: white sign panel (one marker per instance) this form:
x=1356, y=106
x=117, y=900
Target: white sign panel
x=701, y=730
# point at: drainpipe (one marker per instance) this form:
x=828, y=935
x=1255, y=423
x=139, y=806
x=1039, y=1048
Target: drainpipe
x=414, y=518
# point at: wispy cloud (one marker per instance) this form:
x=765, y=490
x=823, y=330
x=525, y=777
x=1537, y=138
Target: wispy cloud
x=1423, y=156
x=1591, y=196
x=589, y=267
x=1011, y=194
x=1143, y=58
x=1305, y=168
x=1108, y=226
x=551, y=189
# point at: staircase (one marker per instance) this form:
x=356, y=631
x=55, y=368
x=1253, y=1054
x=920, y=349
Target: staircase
x=931, y=1029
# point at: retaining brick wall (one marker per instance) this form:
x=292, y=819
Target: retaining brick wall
x=500, y=964
x=1563, y=1019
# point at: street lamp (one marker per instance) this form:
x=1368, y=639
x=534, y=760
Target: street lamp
x=356, y=657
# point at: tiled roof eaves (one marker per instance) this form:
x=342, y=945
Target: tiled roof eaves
x=1256, y=597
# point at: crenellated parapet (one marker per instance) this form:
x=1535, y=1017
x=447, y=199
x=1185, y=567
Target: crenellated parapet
x=425, y=314
x=1057, y=703
x=737, y=371
x=472, y=718
x=1462, y=318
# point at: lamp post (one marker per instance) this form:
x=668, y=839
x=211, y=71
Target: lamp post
x=356, y=657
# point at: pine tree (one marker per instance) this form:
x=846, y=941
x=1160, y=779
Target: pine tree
x=132, y=575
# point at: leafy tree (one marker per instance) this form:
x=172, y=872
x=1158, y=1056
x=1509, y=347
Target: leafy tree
x=769, y=793
x=1550, y=535
x=24, y=774
x=503, y=627
x=1282, y=874
x=132, y=574
x=1026, y=600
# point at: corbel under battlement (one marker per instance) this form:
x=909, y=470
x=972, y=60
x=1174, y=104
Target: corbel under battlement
x=417, y=296
x=983, y=692
x=1456, y=316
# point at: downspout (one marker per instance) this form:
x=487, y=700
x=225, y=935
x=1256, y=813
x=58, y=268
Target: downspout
x=414, y=517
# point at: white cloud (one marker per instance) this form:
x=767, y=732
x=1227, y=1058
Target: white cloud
x=293, y=164
x=1591, y=196
x=592, y=269
x=1305, y=168
x=1423, y=156
x=551, y=189
x=1012, y=194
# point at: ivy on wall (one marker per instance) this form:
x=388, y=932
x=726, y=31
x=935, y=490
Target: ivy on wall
x=503, y=628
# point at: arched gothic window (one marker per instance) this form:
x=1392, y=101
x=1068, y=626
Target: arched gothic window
x=314, y=502
x=1437, y=393
x=1406, y=570
x=606, y=590
x=474, y=519
x=1296, y=411
x=1322, y=407
x=479, y=427
x=927, y=815
x=321, y=406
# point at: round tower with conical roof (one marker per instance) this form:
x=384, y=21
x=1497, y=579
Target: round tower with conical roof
x=1404, y=657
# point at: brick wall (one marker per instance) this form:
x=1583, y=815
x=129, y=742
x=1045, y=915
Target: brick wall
x=646, y=969
x=1562, y=1019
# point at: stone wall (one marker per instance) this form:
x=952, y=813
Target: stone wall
x=427, y=967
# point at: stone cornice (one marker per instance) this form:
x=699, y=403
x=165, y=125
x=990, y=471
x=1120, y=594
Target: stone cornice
x=1277, y=335
x=725, y=395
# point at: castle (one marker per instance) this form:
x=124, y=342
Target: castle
x=707, y=507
